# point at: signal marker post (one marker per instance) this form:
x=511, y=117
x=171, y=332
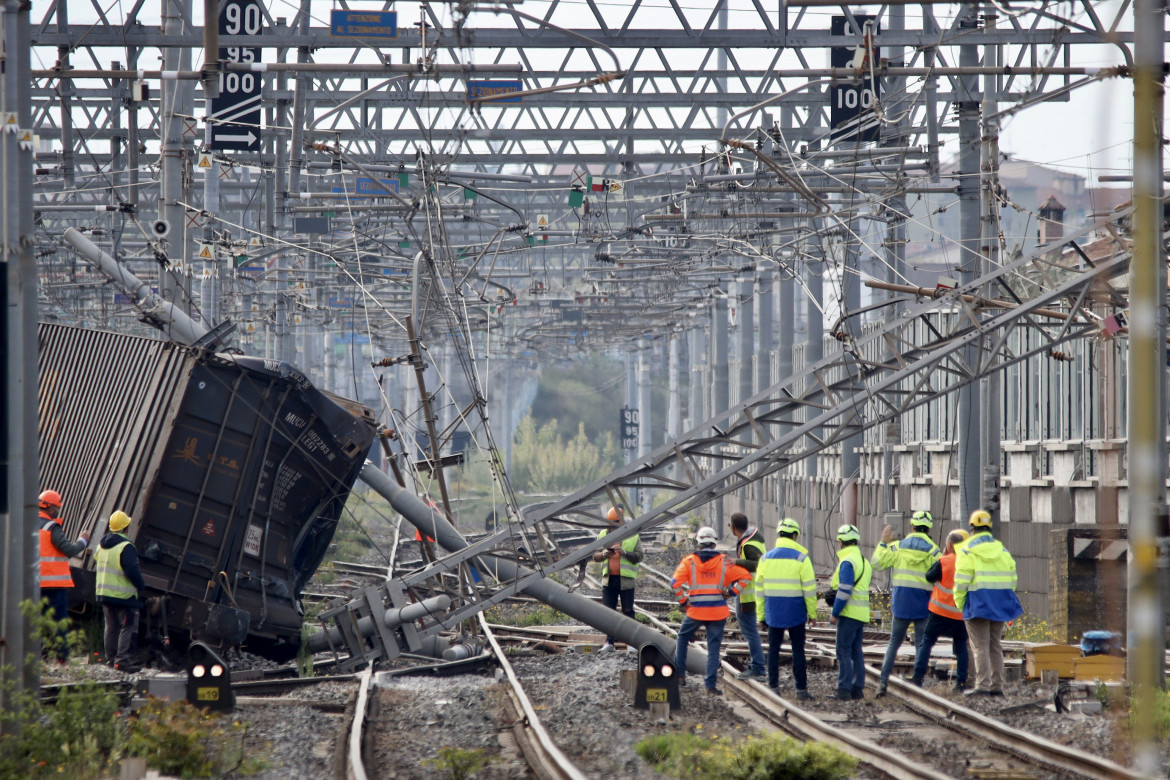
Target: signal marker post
x=657, y=688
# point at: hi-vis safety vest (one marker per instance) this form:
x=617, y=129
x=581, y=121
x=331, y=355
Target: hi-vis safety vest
x=701, y=583
x=625, y=568
x=942, y=598
x=54, y=565
x=748, y=594
x=112, y=582
x=858, y=605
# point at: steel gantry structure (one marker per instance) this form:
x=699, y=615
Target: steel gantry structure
x=556, y=176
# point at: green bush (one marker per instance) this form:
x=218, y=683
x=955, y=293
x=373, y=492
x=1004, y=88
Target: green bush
x=81, y=736
x=459, y=763
x=178, y=739
x=770, y=757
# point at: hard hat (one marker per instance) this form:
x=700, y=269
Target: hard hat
x=614, y=515
x=980, y=519
x=119, y=520
x=848, y=533
x=922, y=517
x=706, y=536
x=788, y=526
x=50, y=498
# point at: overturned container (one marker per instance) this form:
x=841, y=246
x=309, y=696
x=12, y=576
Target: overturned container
x=235, y=470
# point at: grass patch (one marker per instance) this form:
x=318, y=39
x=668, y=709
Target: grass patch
x=459, y=763
x=770, y=757
x=524, y=616
x=1027, y=628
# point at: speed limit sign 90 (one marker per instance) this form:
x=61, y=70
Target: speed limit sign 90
x=235, y=113
x=850, y=103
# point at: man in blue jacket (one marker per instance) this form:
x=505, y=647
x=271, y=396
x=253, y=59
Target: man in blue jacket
x=910, y=558
x=786, y=597
x=119, y=581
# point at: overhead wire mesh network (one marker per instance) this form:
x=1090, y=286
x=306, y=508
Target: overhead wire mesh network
x=629, y=164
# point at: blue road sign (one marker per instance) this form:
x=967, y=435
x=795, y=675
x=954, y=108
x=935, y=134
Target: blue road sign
x=122, y=298
x=491, y=92
x=341, y=303
x=363, y=24
x=366, y=186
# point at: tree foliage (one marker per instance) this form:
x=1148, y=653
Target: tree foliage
x=589, y=392
x=543, y=462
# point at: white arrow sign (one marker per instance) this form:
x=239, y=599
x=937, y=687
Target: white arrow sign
x=249, y=138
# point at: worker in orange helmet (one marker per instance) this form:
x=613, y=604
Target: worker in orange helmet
x=618, y=570
x=56, y=549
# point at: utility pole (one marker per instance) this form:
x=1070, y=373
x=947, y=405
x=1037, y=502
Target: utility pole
x=1147, y=422
x=645, y=415
x=719, y=369
x=814, y=350
x=989, y=445
x=969, y=411
x=18, y=367
x=209, y=298
x=177, y=102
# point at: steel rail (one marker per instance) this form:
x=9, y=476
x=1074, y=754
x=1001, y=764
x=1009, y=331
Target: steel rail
x=355, y=768
x=1021, y=744
x=545, y=758
x=786, y=715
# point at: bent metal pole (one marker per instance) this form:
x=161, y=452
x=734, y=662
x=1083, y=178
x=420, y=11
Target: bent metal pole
x=552, y=593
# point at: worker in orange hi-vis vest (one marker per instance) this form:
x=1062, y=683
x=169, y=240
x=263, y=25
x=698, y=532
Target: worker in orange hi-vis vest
x=945, y=619
x=703, y=582
x=56, y=550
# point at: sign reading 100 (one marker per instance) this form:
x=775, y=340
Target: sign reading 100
x=236, y=111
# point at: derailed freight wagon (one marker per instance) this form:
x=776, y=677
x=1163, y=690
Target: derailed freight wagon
x=235, y=470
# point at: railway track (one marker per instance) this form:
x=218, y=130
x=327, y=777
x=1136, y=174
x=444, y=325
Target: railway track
x=985, y=747
x=1029, y=747
x=541, y=753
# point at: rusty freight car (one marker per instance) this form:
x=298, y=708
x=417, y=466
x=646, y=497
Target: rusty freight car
x=235, y=470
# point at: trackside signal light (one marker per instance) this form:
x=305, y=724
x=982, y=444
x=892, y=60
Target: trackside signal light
x=209, y=682
x=657, y=679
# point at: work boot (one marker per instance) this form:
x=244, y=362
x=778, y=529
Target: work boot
x=917, y=681
x=857, y=693
x=995, y=693
x=803, y=695
x=714, y=692
x=976, y=692
x=841, y=695
x=959, y=687
x=881, y=691
x=607, y=648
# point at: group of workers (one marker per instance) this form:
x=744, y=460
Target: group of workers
x=965, y=591
x=118, y=583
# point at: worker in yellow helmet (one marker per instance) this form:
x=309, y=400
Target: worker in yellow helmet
x=945, y=619
x=119, y=581
x=618, y=571
x=985, y=589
